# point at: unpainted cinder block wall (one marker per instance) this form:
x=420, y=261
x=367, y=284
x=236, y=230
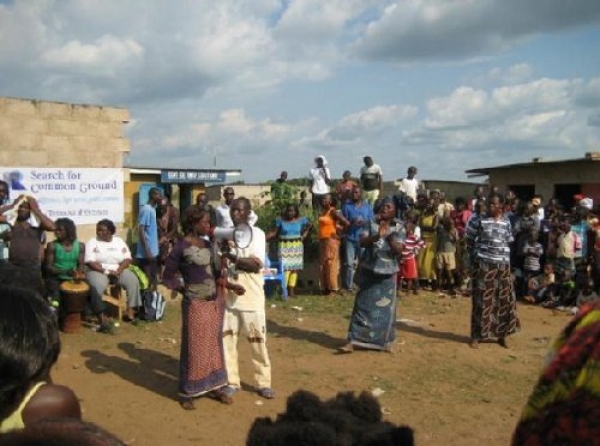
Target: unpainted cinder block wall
x=35, y=133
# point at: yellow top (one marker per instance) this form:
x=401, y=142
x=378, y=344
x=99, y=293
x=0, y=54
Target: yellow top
x=15, y=420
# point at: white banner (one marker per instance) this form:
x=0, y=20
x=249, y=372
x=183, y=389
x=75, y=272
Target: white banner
x=83, y=195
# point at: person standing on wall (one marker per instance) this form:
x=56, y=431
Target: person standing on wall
x=319, y=179
x=410, y=185
x=371, y=180
x=147, y=247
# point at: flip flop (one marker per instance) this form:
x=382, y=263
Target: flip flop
x=266, y=393
x=221, y=396
x=346, y=349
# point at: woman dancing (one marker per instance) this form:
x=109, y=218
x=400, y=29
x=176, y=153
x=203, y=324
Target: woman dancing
x=201, y=363
x=372, y=324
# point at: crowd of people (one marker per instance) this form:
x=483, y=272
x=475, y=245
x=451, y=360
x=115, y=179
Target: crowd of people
x=492, y=247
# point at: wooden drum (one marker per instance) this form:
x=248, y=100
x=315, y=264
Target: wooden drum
x=74, y=296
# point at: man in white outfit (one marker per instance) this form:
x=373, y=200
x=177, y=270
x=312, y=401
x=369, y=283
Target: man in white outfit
x=320, y=181
x=245, y=305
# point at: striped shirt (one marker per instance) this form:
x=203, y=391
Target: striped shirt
x=411, y=246
x=532, y=253
x=490, y=239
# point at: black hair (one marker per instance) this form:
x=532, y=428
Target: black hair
x=293, y=205
x=246, y=201
x=69, y=226
x=22, y=277
x=497, y=195
x=191, y=216
x=155, y=190
x=345, y=419
x=108, y=224
x=29, y=344
x=5, y=184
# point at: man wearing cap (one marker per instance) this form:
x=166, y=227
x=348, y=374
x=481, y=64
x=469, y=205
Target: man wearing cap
x=371, y=180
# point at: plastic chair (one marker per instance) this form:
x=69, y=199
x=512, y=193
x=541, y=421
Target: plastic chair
x=273, y=271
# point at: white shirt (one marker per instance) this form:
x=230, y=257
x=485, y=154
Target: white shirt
x=108, y=254
x=410, y=187
x=224, y=217
x=317, y=176
x=254, y=297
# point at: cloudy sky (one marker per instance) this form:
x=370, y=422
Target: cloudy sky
x=267, y=85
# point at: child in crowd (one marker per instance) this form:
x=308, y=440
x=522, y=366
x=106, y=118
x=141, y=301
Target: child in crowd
x=532, y=251
x=587, y=295
x=540, y=288
x=408, y=266
x=445, y=256
x=567, y=243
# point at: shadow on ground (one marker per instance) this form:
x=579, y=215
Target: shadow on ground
x=299, y=334
x=441, y=335
x=146, y=368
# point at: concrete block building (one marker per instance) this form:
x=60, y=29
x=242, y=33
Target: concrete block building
x=561, y=179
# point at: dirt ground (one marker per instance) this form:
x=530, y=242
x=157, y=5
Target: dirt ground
x=449, y=393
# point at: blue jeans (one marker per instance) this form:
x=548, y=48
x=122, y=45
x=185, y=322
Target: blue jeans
x=351, y=252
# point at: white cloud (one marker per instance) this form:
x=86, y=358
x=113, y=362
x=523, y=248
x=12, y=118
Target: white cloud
x=365, y=123
x=512, y=75
x=508, y=124
x=432, y=30
x=106, y=55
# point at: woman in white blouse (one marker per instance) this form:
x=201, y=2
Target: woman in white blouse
x=107, y=257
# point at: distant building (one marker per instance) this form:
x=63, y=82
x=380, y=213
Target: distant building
x=559, y=179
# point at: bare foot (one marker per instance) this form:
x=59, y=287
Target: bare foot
x=474, y=343
x=187, y=404
x=502, y=342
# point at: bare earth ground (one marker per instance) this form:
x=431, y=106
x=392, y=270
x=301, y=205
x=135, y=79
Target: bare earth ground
x=449, y=393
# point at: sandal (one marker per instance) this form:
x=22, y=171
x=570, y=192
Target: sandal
x=221, y=395
x=187, y=404
x=267, y=393
x=348, y=348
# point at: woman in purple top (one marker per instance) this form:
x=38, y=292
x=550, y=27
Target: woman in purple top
x=189, y=268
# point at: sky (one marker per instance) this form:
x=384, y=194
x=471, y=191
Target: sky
x=268, y=85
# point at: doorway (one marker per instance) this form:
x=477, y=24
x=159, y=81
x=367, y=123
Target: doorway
x=564, y=194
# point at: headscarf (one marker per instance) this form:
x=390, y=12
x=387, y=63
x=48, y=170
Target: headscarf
x=564, y=407
x=324, y=160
